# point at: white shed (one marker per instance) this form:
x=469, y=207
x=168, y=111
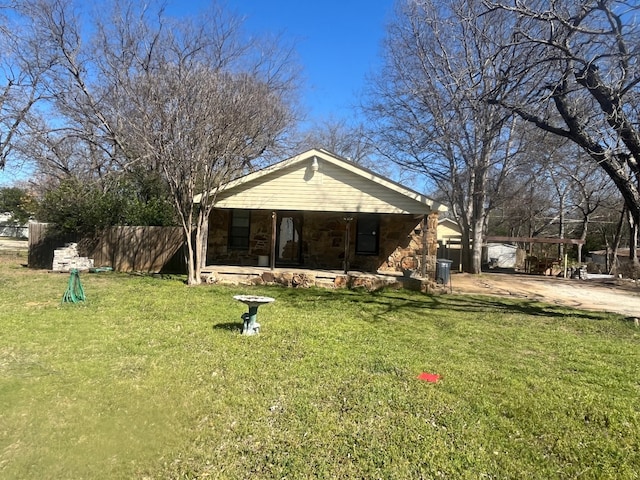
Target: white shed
x=500, y=255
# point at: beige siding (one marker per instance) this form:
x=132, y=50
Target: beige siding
x=446, y=232
x=331, y=188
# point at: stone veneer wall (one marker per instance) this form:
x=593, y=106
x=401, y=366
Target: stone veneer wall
x=323, y=240
x=403, y=239
x=218, y=251
x=323, y=236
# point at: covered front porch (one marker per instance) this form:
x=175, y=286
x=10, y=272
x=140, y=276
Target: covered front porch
x=330, y=241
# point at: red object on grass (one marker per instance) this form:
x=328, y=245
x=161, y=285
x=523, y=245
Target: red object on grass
x=429, y=377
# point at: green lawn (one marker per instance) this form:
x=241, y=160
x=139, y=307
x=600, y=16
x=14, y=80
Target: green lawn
x=151, y=379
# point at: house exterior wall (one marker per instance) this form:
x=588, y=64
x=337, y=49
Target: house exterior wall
x=403, y=238
x=323, y=242
x=219, y=253
x=449, y=230
x=330, y=188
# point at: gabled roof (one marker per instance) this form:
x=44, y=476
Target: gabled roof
x=318, y=180
x=449, y=230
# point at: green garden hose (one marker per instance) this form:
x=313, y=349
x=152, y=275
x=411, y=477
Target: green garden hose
x=75, y=292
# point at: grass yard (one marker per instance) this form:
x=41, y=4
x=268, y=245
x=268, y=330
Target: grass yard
x=150, y=379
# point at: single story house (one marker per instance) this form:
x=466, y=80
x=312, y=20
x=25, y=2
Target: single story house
x=450, y=242
x=318, y=210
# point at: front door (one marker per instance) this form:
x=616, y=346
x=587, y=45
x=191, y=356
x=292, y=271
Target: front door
x=289, y=239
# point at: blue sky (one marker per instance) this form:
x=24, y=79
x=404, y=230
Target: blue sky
x=338, y=43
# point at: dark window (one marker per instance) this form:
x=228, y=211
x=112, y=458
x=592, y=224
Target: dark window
x=367, y=233
x=239, y=229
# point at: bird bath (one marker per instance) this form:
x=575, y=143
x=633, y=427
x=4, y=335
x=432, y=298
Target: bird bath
x=250, y=326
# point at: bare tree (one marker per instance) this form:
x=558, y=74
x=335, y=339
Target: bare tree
x=342, y=138
x=202, y=108
x=70, y=135
x=579, y=78
x=553, y=191
x=524, y=206
x=591, y=190
x=195, y=100
x=24, y=62
x=222, y=122
x=429, y=113
x=612, y=230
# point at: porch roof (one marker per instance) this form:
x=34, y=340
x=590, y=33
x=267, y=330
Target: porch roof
x=318, y=180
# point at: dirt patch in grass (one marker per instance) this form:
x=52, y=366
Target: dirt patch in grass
x=605, y=295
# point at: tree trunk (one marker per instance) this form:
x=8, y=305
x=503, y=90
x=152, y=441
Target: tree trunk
x=197, y=258
x=205, y=244
x=633, y=241
x=583, y=237
x=200, y=249
x=191, y=271
x=613, y=263
x=465, y=254
x=561, y=230
x=476, y=247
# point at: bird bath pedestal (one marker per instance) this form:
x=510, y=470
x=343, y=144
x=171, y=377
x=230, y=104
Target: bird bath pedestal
x=250, y=326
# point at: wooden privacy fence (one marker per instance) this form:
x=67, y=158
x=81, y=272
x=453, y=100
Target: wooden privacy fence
x=42, y=243
x=125, y=249
x=141, y=249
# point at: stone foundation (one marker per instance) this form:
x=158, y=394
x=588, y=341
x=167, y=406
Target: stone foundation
x=230, y=275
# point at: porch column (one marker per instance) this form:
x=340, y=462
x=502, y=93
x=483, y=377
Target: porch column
x=274, y=225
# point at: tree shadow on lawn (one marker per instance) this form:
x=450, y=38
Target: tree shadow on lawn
x=482, y=304
x=386, y=303
x=228, y=326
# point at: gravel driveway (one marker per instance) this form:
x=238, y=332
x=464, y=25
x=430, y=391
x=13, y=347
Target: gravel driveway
x=610, y=295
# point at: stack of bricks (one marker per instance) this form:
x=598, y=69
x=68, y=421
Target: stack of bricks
x=67, y=258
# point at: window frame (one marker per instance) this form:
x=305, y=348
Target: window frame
x=362, y=236
x=234, y=236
